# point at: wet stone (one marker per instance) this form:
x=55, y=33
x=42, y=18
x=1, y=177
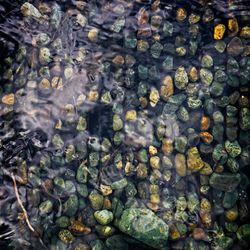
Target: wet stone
x=233, y=148
x=181, y=78
x=145, y=226
x=207, y=61
x=103, y=217
x=116, y=242
x=70, y=207
x=225, y=182
x=45, y=207
x=168, y=63
x=180, y=164
x=245, y=119
x=206, y=76
x=235, y=47
x=126, y=124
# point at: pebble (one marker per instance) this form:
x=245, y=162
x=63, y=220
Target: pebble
x=44, y=56
x=206, y=76
x=180, y=165
x=65, y=236
x=219, y=31
x=181, y=78
x=194, y=161
x=140, y=223
x=103, y=217
x=226, y=182
x=235, y=47
x=93, y=34
x=8, y=99
x=233, y=148
x=154, y=97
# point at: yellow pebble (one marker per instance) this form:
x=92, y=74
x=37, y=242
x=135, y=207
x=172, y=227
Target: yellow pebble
x=93, y=96
x=155, y=198
x=167, y=146
x=174, y=233
x=131, y=115
x=92, y=35
x=205, y=205
x=193, y=74
x=106, y=190
x=219, y=31
x=232, y=214
x=167, y=87
x=181, y=14
x=233, y=26
x=45, y=83
x=8, y=99
x=155, y=162
x=245, y=32
x=154, y=97
x=152, y=150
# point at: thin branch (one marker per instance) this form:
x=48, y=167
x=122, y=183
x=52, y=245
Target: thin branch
x=21, y=204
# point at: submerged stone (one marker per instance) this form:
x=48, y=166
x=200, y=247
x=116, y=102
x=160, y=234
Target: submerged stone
x=235, y=47
x=233, y=148
x=143, y=225
x=104, y=216
x=226, y=182
x=181, y=78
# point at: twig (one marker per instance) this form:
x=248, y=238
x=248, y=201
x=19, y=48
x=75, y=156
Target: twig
x=21, y=204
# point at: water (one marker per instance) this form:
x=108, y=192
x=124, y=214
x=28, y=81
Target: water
x=180, y=143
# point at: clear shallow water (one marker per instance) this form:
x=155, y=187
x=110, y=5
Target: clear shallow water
x=130, y=104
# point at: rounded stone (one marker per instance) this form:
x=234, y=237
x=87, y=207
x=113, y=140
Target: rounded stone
x=181, y=78
x=103, y=217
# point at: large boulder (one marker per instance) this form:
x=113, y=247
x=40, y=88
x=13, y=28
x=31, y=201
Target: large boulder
x=145, y=226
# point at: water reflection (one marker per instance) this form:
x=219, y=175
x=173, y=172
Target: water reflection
x=112, y=110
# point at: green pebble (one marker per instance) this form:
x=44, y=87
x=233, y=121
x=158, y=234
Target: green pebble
x=82, y=173
x=122, y=183
x=143, y=156
x=117, y=123
x=206, y=76
x=245, y=119
x=96, y=200
x=207, y=61
x=243, y=232
x=116, y=242
x=103, y=217
x=180, y=144
x=63, y=222
x=233, y=148
x=46, y=207
x=226, y=182
x=181, y=78
x=145, y=226
x=70, y=206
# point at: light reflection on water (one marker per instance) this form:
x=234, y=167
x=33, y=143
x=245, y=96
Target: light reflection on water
x=66, y=98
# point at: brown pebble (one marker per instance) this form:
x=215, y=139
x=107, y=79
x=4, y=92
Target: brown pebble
x=142, y=17
x=205, y=123
x=199, y=234
x=206, y=137
x=118, y=60
x=167, y=146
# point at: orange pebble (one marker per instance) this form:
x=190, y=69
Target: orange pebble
x=205, y=123
x=219, y=31
x=206, y=137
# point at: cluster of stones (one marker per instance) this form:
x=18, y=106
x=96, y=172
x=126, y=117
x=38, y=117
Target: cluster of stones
x=168, y=165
